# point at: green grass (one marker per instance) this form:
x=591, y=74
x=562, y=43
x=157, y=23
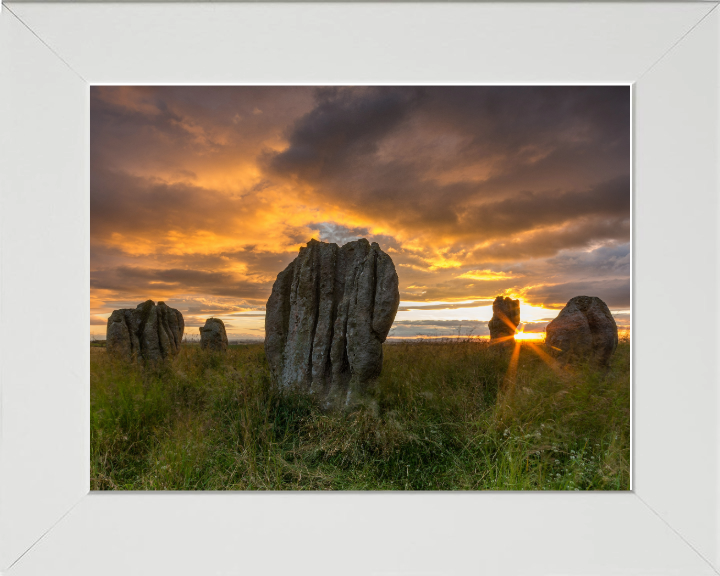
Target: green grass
x=446, y=417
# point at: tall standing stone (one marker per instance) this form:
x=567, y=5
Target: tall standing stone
x=147, y=332
x=505, y=319
x=584, y=330
x=328, y=315
x=213, y=335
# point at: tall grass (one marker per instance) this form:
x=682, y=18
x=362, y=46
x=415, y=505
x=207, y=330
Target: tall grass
x=447, y=416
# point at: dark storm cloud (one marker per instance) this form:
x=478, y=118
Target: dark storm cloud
x=614, y=292
x=259, y=265
x=163, y=127
x=139, y=280
x=579, y=233
x=109, y=117
x=349, y=123
x=135, y=205
x=528, y=210
x=343, y=127
x=543, y=156
x=606, y=260
x=509, y=118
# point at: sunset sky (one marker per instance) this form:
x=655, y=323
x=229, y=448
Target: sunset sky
x=201, y=195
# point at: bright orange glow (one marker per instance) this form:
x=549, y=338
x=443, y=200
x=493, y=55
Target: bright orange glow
x=539, y=336
x=486, y=275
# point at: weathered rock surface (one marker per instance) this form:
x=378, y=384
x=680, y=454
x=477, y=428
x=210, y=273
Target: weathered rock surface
x=148, y=332
x=584, y=330
x=505, y=319
x=213, y=335
x=329, y=313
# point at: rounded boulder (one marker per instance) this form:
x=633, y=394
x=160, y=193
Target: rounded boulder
x=584, y=330
x=213, y=335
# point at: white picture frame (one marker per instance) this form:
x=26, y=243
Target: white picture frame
x=49, y=56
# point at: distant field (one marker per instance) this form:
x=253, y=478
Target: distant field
x=449, y=416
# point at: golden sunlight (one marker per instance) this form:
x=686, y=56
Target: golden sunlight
x=530, y=336
x=540, y=336
x=534, y=336
x=486, y=275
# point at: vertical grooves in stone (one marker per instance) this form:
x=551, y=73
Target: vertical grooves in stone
x=324, y=329
x=352, y=305
x=327, y=369
x=292, y=297
x=162, y=336
x=319, y=330
x=277, y=321
x=342, y=314
x=141, y=341
x=172, y=328
x=141, y=328
x=338, y=295
x=128, y=327
x=315, y=261
x=374, y=291
x=286, y=293
x=166, y=326
x=286, y=311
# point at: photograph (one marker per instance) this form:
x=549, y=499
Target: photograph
x=360, y=288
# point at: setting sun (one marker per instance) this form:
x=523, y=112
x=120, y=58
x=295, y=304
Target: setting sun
x=530, y=336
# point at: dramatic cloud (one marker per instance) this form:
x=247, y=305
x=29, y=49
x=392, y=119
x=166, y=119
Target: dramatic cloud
x=201, y=195
x=465, y=163
x=615, y=293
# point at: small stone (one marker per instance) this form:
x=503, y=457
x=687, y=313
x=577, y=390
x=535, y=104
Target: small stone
x=505, y=319
x=584, y=330
x=213, y=336
x=147, y=332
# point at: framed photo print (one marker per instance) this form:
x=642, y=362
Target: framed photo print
x=405, y=288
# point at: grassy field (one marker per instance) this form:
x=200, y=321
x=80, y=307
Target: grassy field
x=449, y=416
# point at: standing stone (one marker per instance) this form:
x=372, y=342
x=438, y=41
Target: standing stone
x=213, y=336
x=584, y=330
x=328, y=315
x=505, y=320
x=148, y=332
